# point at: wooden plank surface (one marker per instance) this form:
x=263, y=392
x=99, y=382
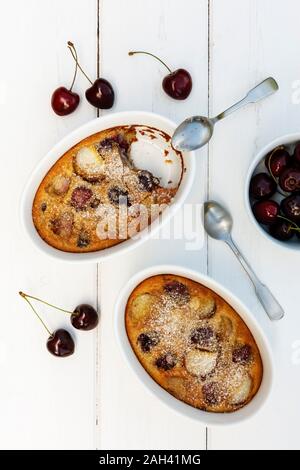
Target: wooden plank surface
x=245, y=48
x=130, y=416
x=93, y=400
x=45, y=402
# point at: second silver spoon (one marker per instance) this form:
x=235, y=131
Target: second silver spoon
x=218, y=224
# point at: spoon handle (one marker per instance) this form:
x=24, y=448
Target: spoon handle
x=264, y=89
x=265, y=296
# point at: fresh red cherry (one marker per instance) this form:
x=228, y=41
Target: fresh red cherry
x=281, y=230
x=101, y=94
x=60, y=343
x=262, y=186
x=290, y=206
x=265, y=212
x=177, y=84
x=277, y=161
x=289, y=180
x=64, y=101
x=84, y=317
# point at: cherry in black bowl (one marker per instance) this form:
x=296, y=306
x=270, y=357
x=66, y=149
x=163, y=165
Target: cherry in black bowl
x=290, y=206
x=262, y=186
x=289, y=180
x=265, y=212
x=297, y=154
x=282, y=230
x=277, y=161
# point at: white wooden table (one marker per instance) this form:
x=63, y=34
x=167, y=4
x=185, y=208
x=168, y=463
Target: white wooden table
x=92, y=400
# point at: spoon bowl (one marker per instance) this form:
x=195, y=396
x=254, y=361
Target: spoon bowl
x=217, y=220
x=193, y=133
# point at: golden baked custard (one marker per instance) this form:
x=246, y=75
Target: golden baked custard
x=93, y=197
x=193, y=343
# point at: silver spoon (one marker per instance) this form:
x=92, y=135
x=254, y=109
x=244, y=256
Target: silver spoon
x=196, y=131
x=218, y=224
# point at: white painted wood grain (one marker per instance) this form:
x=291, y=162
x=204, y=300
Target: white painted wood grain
x=48, y=403
x=246, y=47
x=130, y=417
x=45, y=402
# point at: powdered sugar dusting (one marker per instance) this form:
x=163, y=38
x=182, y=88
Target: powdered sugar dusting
x=204, y=373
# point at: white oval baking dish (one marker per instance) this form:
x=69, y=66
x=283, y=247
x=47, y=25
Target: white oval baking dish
x=178, y=406
x=96, y=125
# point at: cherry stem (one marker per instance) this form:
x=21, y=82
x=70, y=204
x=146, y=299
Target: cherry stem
x=269, y=167
x=152, y=55
x=73, y=51
x=46, y=303
x=75, y=72
x=42, y=322
x=296, y=227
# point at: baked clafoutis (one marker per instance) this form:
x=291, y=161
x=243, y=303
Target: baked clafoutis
x=94, y=197
x=193, y=343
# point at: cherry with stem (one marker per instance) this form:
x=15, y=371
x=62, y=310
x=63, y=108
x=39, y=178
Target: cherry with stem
x=64, y=101
x=283, y=229
x=269, y=158
x=294, y=226
x=101, y=93
x=84, y=316
x=177, y=84
x=60, y=343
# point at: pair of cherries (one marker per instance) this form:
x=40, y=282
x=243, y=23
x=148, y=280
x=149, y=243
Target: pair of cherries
x=177, y=85
x=101, y=94
x=60, y=342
